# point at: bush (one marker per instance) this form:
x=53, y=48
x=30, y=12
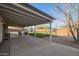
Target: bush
x=39, y=35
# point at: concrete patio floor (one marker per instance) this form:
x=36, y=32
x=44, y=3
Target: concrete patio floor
x=31, y=46
x=68, y=41
x=5, y=48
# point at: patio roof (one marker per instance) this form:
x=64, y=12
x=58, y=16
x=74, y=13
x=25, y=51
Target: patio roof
x=23, y=15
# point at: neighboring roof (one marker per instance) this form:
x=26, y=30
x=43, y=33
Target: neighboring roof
x=23, y=14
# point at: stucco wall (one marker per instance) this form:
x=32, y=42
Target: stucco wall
x=1, y=32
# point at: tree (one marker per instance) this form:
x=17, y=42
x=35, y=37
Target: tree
x=71, y=14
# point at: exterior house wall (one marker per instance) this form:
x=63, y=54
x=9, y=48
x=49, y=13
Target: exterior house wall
x=1, y=32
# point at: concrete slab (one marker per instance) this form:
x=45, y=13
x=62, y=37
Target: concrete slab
x=5, y=48
x=23, y=46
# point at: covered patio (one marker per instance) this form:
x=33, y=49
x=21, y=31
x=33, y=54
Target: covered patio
x=31, y=46
x=20, y=15
x=23, y=15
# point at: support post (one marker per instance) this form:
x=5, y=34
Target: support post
x=35, y=31
x=1, y=32
x=28, y=30
x=5, y=31
x=51, y=32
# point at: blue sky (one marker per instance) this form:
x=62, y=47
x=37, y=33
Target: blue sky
x=49, y=8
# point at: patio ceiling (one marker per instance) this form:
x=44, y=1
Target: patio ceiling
x=23, y=15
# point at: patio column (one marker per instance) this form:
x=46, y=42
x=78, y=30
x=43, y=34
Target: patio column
x=28, y=30
x=51, y=32
x=35, y=31
x=5, y=31
x=1, y=31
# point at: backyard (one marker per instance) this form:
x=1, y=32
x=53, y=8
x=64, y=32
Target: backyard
x=40, y=35
x=65, y=40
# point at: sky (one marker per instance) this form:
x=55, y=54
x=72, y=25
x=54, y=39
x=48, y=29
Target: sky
x=49, y=8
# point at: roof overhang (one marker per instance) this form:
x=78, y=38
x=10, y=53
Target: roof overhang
x=23, y=15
